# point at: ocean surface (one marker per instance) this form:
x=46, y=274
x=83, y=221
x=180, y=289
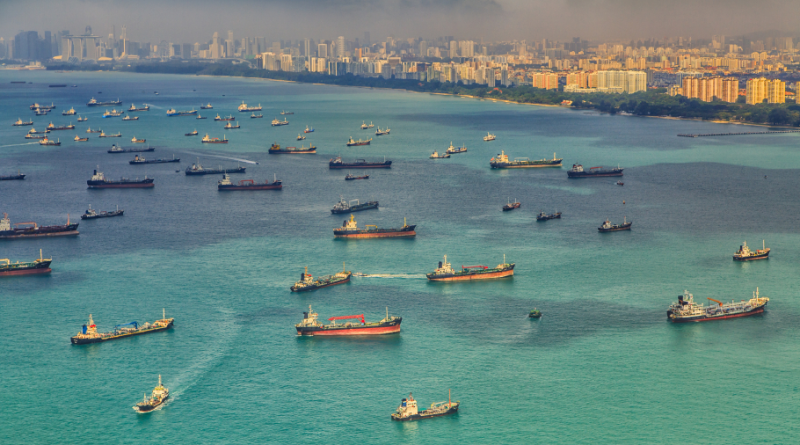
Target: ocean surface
x=603, y=365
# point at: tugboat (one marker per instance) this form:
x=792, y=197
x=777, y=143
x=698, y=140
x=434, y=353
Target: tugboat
x=350, y=177
x=608, y=227
x=197, y=169
x=453, y=150
x=130, y=118
x=542, y=216
x=346, y=207
x=115, y=149
x=489, y=137
x=337, y=163
x=350, y=229
x=277, y=123
x=80, y=139
x=686, y=310
x=138, y=141
x=157, y=398
x=88, y=333
x=92, y=214
x=70, y=112
x=172, y=112
x=46, y=141
x=354, y=143
x=52, y=127
x=230, y=126
x=308, y=283
x=275, y=149
x=192, y=133
x=209, y=140
x=408, y=409
x=511, y=205
x=535, y=313
x=308, y=129
x=112, y=113
x=206, y=107
x=40, y=265
x=256, y=116
x=300, y=137
x=745, y=254
x=225, y=184
x=223, y=119
x=380, y=132
x=141, y=160
x=243, y=108
x=18, y=176
x=577, y=171
x=310, y=326
x=20, y=123
x=436, y=155
x=31, y=229
x=445, y=272
x=99, y=181
x=502, y=161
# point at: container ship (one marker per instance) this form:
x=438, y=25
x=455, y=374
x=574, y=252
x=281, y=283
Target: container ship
x=225, y=184
x=99, y=181
x=350, y=229
x=157, y=398
x=608, y=227
x=577, y=171
x=40, y=265
x=745, y=254
x=93, y=214
x=502, y=161
x=116, y=149
x=276, y=149
x=141, y=160
x=88, y=333
x=197, y=170
x=173, y=112
x=354, y=143
x=95, y=103
x=311, y=326
x=346, y=207
x=686, y=310
x=445, y=272
x=18, y=176
x=243, y=108
x=308, y=283
x=408, y=409
x=31, y=229
x=337, y=163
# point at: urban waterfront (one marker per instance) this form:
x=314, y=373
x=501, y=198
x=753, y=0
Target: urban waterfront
x=603, y=365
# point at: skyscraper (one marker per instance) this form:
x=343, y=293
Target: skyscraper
x=340, y=47
x=322, y=50
x=423, y=48
x=307, y=48
x=453, y=49
x=215, y=46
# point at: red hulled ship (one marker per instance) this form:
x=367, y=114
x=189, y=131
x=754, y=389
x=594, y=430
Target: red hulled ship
x=311, y=326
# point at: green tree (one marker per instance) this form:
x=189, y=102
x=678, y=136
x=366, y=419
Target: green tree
x=779, y=116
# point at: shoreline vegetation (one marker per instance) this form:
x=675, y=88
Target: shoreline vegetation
x=651, y=103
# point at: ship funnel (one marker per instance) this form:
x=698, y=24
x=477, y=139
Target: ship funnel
x=95, y=171
x=440, y=264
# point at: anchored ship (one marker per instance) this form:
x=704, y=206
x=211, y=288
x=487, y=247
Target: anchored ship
x=104, y=135
x=206, y=107
x=173, y=112
x=157, y=398
x=225, y=184
x=686, y=310
x=511, y=205
x=130, y=118
x=489, y=137
x=542, y=216
x=308, y=129
x=115, y=149
x=197, y=169
x=277, y=123
x=52, y=127
x=70, y=112
x=230, y=126
x=88, y=333
x=18, y=176
x=608, y=227
x=95, y=103
x=112, y=113
x=20, y=123
x=31, y=229
x=192, y=133
x=311, y=326
x=350, y=229
x=350, y=177
x=453, y=150
x=445, y=272
x=141, y=160
x=308, y=283
x=133, y=108
x=276, y=149
x=46, y=141
x=346, y=207
x=223, y=119
x=577, y=171
x=408, y=409
x=337, y=163
x=436, y=155
x=209, y=140
x=354, y=143
x=243, y=108
x=40, y=265
x=745, y=254
x=93, y=214
x=138, y=141
x=256, y=116
x=99, y=181
x=380, y=132
x=502, y=161
x=80, y=139
x=285, y=112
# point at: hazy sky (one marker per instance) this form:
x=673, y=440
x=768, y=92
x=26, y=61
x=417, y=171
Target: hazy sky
x=187, y=21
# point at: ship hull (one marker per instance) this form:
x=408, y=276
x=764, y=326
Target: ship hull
x=42, y=268
x=615, y=229
x=358, y=144
x=362, y=165
x=120, y=185
x=149, y=408
x=230, y=188
x=380, y=233
x=535, y=165
x=65, y=230
x=392, y=327
x=104, y=215
x=700, y=318
x=133, y=150
x=452, y=410
x=291, y=152
x=86, y=341
x=315, y=287
x=12, y=178
x=215, y=172
x=593, y=175
x=474, y=276
x=763, y=256
x=355, y=208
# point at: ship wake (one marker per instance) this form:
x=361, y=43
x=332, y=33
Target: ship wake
x=223, y=157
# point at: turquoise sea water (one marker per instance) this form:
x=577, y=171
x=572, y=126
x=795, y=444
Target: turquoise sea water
x=602, y=366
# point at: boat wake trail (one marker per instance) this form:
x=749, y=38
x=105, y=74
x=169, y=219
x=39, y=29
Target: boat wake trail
x=16, y=145
x=222, y=157
x=410, y=276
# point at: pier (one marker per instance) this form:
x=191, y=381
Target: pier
x=736, y=134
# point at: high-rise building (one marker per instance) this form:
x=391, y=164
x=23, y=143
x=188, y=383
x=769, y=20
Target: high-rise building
x=621, y=81
x=756, y=90
x=340, y=47
x=776, y=91
x=466, y=48
x=307, y=49
x=453, y=49
x=547, y=81
x=423, y=48
x=215, y=47
x=322, y=50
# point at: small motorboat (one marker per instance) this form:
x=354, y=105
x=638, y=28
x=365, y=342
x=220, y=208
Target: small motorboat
x=535, y=313
x=620, y=183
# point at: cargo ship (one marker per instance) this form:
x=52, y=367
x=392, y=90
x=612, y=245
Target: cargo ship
x=82, y=119
x=33, y=131
x=436, y=155
x=133, y=108
x=502, y=161
x=18, y=176
x=157, y=398
x=223, y=119
x=225, y=184
x=408, y=409
x=209, y=140
x=608, y=227
x=89, y=130
x=130, y=118
x=192, y=133
x=489, y=137
x=196, y=170
x=350, y=177
x=243, y=108
x=686, y=310
x=308, y=129
x=116, y=149
x=350, y=229
x=284, y=112
x=207, y=106
x=256, y=116
x=276, y=149
x=112, y=113
x=380, y=132
x=40, y=265
x=141, y=160
x=542, y=216
x=35, y=135
x=511, y=206
x=80, y=139
x=337, y=163
x=300, y=137
x=231, y=126
x=455, y=150
x=36, y=106
x=20, y=123
x=354, y=143
x=52, y=127
x=138, y=141
x=311, y=326
x=95, y=103
x=308, y=283
x=173, y=112
x=104, y=135
x=46, y=141
x=70, y=112
x=99, y=181
x=88, y=333
x=93, y=214
x=346, y=207
x=745, y=254
x=31, y=229
x=577, y=171
x=445, y=272
x=277, y=123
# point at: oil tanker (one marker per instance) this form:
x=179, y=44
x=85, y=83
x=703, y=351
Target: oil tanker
x=350, y=229
x=311, y=326
x=198, y=170
x=502, y=161
x=95, y=103
x=337, y=163
x=276, y=149
x=577, y=171
x=745, y=254
x=88, y=333
x=445, y=272
x=225, y=184
x=99, y=181
x=686, y=310
x=40, y=265
x=307, y=282
x=408, y=409
x=31, y=229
